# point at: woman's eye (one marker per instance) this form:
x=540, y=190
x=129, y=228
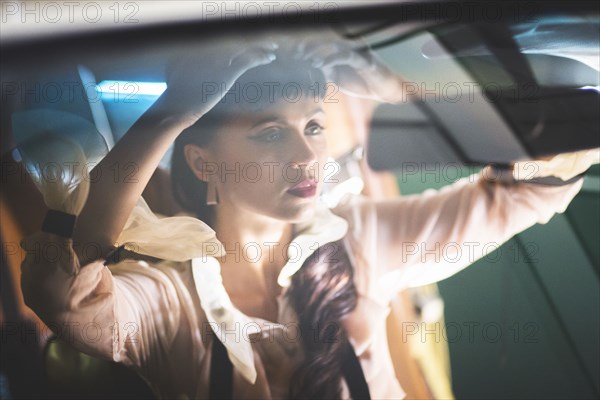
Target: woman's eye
x=271, y=135
x=314, y=129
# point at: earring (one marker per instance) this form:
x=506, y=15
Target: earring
x=212, y=197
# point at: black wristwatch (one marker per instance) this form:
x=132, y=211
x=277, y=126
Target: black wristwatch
x=59, y=223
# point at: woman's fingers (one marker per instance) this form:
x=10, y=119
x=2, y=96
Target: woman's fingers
x=315, y=49
x=326, y=48
x=253, y=57
x=214, y=59
x=321, y=51
x=353, y=66
x=211, y=66
x=354, y=59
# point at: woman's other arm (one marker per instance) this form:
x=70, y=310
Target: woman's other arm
x=433, y=235
x=126, y=315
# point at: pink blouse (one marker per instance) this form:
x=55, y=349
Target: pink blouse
x=156, y=318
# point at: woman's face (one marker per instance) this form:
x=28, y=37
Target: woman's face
x=269, y=161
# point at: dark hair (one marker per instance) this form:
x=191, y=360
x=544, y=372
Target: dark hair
x=322, y=292
x=188, y=190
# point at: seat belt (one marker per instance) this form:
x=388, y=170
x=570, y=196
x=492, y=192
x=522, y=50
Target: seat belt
x=221, y=373
x=354, y=374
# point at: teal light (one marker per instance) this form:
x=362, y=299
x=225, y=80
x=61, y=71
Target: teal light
x=131, y=88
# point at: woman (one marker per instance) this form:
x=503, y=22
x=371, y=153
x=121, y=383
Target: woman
x=290, y=298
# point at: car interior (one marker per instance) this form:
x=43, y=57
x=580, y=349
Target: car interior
x=491, y=90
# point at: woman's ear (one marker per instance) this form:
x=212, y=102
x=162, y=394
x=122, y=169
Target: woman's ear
x=195, y=156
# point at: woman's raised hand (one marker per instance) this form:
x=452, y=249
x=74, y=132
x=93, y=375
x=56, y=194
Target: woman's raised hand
x=564, y=166
x=186, y=99
x=355, y=68
x=198, y=81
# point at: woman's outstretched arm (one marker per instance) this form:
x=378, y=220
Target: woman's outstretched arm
x=428, y=237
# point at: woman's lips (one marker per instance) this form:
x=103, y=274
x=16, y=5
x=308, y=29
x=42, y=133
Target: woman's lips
x=306, y=188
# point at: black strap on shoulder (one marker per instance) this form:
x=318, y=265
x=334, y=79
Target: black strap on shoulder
x=221, y=372
x=121, y=253
x=354, y=375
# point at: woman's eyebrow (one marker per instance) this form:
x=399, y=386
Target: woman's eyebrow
x=279, y=119
x=271, y=118
x=316, y=111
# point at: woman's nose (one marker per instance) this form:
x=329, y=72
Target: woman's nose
x=304, y=152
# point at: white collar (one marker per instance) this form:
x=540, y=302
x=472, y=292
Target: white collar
x=325, y=227
x=225, y=319
x=154, y=236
